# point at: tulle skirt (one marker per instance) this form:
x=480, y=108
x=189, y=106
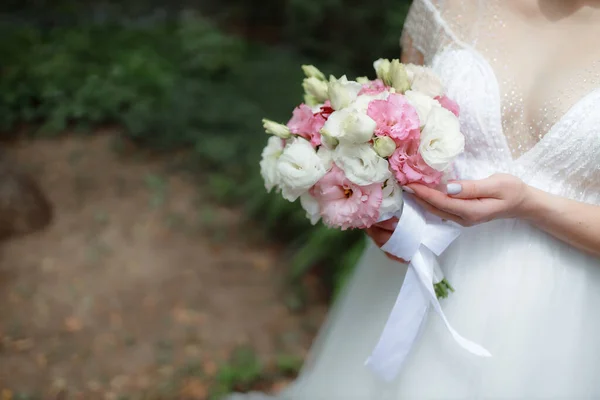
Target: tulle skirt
x=531, y=300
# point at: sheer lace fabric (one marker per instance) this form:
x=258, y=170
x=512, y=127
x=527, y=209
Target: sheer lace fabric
x=533, y=99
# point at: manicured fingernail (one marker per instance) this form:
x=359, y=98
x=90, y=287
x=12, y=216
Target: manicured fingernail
x=453, y=188
x=408, y=190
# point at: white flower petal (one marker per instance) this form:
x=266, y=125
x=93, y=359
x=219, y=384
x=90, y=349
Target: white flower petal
x=361, y=164
x=441, y=139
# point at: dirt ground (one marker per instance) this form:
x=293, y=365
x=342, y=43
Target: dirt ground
x=141, y=287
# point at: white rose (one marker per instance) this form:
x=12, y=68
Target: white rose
x=299, y=168
x=424, y=80
x=342, y=92
x=268, y=163
x=422, y=103
x=361, y=164
x=382, y=69
x=315, y=88
x=392, y=200
x=384, y=146
x=311, y=206
x=350, y=126
x=362, y=102
x=441, y=140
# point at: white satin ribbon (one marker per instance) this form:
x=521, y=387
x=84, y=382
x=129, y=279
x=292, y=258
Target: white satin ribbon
x=419, y=237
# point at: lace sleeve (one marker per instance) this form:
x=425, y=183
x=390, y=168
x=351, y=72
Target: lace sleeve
x=425, y=32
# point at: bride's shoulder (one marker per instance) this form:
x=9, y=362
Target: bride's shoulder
x=426, y=29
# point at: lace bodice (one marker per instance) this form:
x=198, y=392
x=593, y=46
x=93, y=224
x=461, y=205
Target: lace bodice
x=536, y=123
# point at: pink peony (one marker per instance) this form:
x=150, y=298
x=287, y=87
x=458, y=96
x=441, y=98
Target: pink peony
x=449, y=104
x=344, y=204
x=306, y=124
x=409, y=167
x=372, y=88
x=395, y=118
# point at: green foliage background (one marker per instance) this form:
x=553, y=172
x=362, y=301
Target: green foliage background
x=195, y=75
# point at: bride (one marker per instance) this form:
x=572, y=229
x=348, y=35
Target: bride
x=526, y=74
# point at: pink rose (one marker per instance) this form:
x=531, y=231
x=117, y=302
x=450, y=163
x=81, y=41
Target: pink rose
x=372, y=88
x=306, y=124
x=409, y=167
x=449, y=104
x=344, y=204
x=395, y=117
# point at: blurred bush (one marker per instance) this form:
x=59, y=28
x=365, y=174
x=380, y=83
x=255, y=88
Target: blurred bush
x=174, y=80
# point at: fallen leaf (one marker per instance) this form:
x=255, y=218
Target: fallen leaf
x=262, y=262
x=116, y=321
x=194, y=389
x=23, y=344
x=119, y=382
x=41, y=360
x=6, y=394
x=73, y=324
x=210, y=368
x=192, y=351
x=94, y=386
x=280, y=385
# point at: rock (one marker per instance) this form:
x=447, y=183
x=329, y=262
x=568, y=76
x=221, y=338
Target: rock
x=24, y=208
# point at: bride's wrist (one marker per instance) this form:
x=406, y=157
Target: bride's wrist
x=533, y=204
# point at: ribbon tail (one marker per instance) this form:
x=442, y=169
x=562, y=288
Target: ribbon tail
x=401, y=329
x=423, y=263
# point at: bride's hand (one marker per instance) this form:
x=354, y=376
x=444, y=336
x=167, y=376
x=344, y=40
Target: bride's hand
x=381, y=233
x=473, y=202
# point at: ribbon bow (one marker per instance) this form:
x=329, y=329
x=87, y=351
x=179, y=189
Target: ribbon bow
x=419, y=237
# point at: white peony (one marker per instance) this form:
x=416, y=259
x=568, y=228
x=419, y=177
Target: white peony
x=350, y=126
x=422, y=103
x=342, y=92
x=311, y=206
x=424, y=80
x=361, y=164
x=441, y=140
x=392, y=200
x=315, y=88
x=268, y=163
x=299, y=168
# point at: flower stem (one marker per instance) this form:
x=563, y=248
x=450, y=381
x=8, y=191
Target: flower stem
x=442, y=289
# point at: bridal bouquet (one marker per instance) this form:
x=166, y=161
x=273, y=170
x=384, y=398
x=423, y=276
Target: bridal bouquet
x=351, y=145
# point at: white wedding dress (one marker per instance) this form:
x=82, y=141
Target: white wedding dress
x=530, y=299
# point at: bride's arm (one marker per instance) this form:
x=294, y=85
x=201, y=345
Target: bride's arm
x=570, y=221
x=503, y=196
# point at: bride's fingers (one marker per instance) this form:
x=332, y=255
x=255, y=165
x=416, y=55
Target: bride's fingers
x=394, y=258
x=388, y=225
x=440, y=213
x=439, y=200
x=380, y=236
x=484, y=188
